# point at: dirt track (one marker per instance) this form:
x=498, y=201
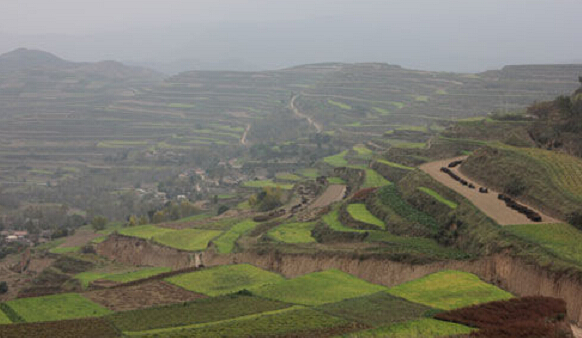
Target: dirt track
x=488, y=203
x=577, y=331
x=333, y=193
x=296, y=111
x=80, y=238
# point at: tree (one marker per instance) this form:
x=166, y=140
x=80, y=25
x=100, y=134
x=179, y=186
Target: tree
x=3, y=287
x=575, y=218
x=132, y=221
x=143, y=220
x=222, y=209
x=98, y=223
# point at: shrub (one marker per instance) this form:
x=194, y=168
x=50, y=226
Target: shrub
x=515, y=186
x=222, y=209
x=3, y=287
x=575, y=218
x=98, y=223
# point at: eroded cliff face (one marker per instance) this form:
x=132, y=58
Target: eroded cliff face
x=139, y=252
x=511, y=274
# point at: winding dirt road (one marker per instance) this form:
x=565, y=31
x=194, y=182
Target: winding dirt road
x=488, y=203
x=296, y=111
x=243, y=139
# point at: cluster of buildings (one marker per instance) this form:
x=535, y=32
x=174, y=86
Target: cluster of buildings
x=23, y=237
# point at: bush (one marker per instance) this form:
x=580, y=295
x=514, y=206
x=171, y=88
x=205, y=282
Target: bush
x=98, y=223
x=222, y=209
x=3, y=287
x=575, y=218
x=515, y=186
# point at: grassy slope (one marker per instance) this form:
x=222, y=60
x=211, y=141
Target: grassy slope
x=449, y=290
x=187, y=239
x=552, y=180
x=56, y=307
x=225, y=279
x=3, y=318
x=318, y=288
x=563, y=240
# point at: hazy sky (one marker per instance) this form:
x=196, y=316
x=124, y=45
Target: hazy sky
x=457, y=35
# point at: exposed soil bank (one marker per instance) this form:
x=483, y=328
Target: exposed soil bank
x=139, y=252
x=511, y=274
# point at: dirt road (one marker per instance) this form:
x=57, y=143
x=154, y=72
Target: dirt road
x=333, y=193
x=488, y=203
x=577, y=331
x=243, y=139
x=304, y=116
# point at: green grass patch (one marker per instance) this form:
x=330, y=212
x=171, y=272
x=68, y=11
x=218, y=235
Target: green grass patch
x=188, y=239
x=438, y=197
x=337, y=160
x=224, y=279
x=56, y=307
x=364, y=152
x=293, y=233
x=395, y=165
x=381, y=111
x=424, y=328
x=449, y=290
x=318, y=288
x=396, y=104
x=390, y=196
x=410, y=145
x=204, y=310
x=226, y=241
x=376, y=309
x=335, y=180
x=373, y=179
x=361, y=214
x=64, y=250
x=287, y=177
x=181, y=105
x=309, y=172
x=563, y=240
x=339, y=104
x=87, y=277
x=244, y=205
x=4, y=318
x=421, y=98
x=267, y=184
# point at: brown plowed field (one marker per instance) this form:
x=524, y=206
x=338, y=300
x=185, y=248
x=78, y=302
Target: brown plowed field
x=488, y=203
x=333, y=193
x=141, y=296
x=80, y=238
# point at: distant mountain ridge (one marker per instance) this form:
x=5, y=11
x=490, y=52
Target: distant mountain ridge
x=23, y=59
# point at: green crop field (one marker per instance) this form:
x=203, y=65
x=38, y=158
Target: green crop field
x=309, y=172
x=267, y=184
x=293, y=233
x=181, y=105
x=225, y=242
x=294, y=321
x=390, y=197
x=339, y=104
x=563, y=240
x=332, y=220
x=144, y=231
x=337, y=160
x=225, y=279
x=287, y=177
x=361, y=214
x=56, y=307
x=318, y=288
x=438, y=197
x=373, y=179
x=396, y=165
x=87, y=277
x=449, y=290
x=3, y=318
x=364, y=152
x=376, y=309
x=203, y=310
x=187, y=239
x=410, y=145
x=425, y=328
